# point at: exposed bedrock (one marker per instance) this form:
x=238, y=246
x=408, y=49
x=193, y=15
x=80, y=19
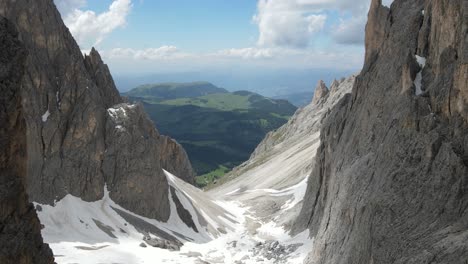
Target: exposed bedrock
x=390, y=180
x=20, y=230
x=71, y=138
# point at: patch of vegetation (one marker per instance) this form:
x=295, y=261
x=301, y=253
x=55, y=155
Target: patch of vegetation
x=211, y=177
x=167, y=91
x=220, y=101
x=219, y=131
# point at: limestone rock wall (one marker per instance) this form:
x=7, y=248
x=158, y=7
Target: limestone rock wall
x=390, y=181
x=66, y=98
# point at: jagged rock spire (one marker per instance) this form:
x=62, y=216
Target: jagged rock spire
x=375, y=28
x=334, y=86
x=103, y=78
x=321, y=91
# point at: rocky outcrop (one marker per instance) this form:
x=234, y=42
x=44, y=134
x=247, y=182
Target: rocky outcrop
x=101, y=76
x=175, y=160
x=390, y=180
x=71, y=138
x=20, y=230
x=375, y=28
x=321, y=91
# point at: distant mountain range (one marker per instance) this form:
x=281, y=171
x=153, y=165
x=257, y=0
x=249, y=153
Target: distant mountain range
x=217, y=128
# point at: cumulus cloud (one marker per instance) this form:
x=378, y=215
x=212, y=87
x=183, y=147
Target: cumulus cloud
x=293, y=23
x=90, y=28
x=286, y=24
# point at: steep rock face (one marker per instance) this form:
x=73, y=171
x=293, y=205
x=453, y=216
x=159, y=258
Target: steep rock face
x=175, y=160
x=129, y=164
x=101, y=75
x=65, y=99
x=20, y=230
x=390, y=182
x=321, y=91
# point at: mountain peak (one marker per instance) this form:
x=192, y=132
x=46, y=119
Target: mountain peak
x=321, y=91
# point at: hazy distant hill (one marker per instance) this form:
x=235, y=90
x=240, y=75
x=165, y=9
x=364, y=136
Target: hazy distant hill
x=218, y=130
x=165, y=91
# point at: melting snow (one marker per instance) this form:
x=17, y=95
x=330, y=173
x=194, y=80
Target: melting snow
x=71, y=229
x=421, y=61
x=418, y=81
x=45, y=116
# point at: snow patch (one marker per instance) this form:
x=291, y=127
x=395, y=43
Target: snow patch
x=421, y=61
x=57, y=99
x=418, y=80
x=45, y=116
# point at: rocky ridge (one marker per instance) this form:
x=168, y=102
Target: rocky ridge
x=72, y=140
x=321, y=91
x=390, y=179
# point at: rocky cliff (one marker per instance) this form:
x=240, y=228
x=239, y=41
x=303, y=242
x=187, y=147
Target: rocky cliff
x=75, y=144
x=20, y=230
x=390, y=180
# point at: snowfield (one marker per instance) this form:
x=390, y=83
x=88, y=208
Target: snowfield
x=245, y=220
x=94, y=232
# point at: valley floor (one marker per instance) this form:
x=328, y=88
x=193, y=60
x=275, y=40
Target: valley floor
x=82, y=232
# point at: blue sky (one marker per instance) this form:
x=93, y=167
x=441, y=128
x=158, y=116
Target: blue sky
x=154, y=36
x=205, y=27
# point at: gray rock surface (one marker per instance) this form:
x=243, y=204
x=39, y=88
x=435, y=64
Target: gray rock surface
x=390, y=181
x=321, y=91
x=100, y=73
x=161, y=243
x=20, y=230
x=71, y=139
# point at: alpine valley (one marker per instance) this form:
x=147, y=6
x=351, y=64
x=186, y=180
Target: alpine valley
x=373, y=169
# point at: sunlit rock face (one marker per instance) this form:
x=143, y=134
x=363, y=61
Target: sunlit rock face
x=390, y=180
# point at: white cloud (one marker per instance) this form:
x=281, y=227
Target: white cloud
x=293, y=23
x=160, y=53
x=285, y=24
x=170, y=58
x=90, y=28
x=246, y=53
